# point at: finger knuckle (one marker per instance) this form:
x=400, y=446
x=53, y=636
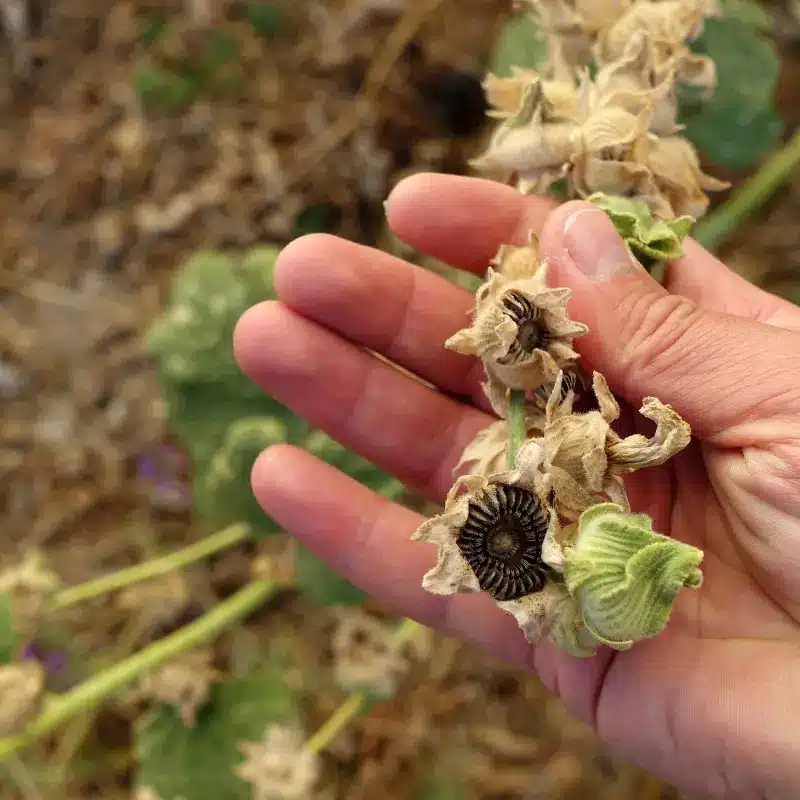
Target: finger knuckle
x=654, y=331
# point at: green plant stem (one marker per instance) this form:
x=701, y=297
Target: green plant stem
x=718, y=226
x=150, y=569
x=97, y=688
x=517, y=430
x=357, y=701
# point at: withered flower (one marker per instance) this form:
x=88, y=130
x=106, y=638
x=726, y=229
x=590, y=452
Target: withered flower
x=583, y=458
x=365, y=656
x=521, y=331
x=279, y=767
x=676, y=171
x=668, y=25
x=633, y=83
x=491, y=538
x=534, y=141
x=184, y=683
x=614, y=144
x=575, y=23
x=507, y=96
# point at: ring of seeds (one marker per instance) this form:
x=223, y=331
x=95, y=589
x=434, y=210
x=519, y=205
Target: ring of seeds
x=502, y=541
x=531, y=333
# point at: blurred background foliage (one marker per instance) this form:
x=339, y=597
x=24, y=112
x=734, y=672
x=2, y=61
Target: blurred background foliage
x=155, y=156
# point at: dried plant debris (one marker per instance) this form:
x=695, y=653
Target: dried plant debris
x=184, y=683
x=21, y=692
x=279, y=767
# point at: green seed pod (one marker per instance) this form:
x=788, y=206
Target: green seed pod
x=625, y=576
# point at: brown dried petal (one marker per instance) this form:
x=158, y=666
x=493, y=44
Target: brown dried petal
x=634, y=84
x=634, y=452
x=676, y=170
x=518, y=262
x=666, y=21
x=536, y=613
x=507, y=96
x=539, y=147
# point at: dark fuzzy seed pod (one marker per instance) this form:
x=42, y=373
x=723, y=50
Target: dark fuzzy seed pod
x=502, y=541
x=531, y=331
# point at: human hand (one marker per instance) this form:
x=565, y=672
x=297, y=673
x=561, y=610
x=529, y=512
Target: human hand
x=711, y=705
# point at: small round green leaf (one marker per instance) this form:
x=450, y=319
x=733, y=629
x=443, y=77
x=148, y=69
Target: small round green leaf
x=739, y=124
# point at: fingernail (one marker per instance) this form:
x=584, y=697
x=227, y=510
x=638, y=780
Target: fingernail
x=595, y=246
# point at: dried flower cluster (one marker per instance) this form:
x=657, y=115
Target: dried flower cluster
x=29, y=584
x=616, y=133
x=541, y=521
x=279, y=767
x=21, y=692
x=365, y=655
x=184, y=683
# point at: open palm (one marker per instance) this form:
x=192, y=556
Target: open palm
x=711, y=704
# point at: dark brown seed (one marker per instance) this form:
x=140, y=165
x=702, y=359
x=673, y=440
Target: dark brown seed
x=502, y=541
x=532, y=334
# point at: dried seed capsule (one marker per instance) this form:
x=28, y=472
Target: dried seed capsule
x=502, y=541
x=532, y=332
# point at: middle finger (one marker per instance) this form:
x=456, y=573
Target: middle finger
x=374, y=299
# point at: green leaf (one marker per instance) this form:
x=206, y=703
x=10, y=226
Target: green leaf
x=321, y=584
x=223, y=491
x=520, y=45
x=650, y=240
x=193, y=339
x=257, y=271
x=199, y=763
x=625, y=576
x=200, y=414
x=319, y=218
x=153, y=26
x=748, y=12
x=367, y=474
x=8, y=632
x=160, y=88
x=266, y=18
x=739, y=124
x=224, y=48
x=734, y=137
x=441, y=787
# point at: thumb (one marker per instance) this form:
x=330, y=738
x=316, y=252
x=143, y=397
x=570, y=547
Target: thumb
x=720, y=372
